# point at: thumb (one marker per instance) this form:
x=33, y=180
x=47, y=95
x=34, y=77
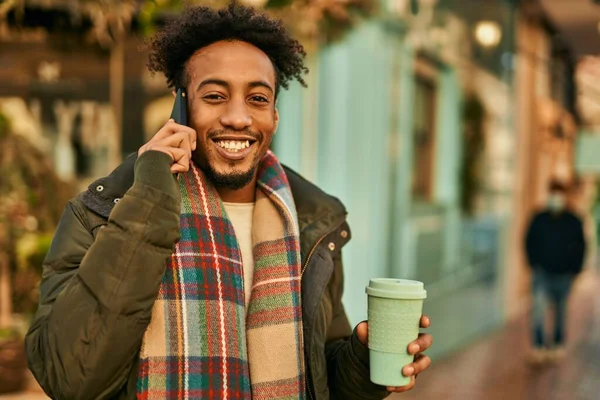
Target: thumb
x=362, y=332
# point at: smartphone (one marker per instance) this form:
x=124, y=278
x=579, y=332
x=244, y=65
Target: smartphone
x=179, y=113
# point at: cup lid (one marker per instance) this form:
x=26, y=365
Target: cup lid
x=391, y=288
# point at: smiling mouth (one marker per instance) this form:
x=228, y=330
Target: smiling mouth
x=233, y=146
x=234, y=149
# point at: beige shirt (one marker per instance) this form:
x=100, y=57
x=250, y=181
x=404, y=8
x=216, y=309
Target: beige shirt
x=240, y=215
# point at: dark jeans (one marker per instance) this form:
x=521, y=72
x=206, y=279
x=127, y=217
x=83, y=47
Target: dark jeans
x=550, y=289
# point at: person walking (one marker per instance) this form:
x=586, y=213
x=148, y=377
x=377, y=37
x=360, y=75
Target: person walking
x=555, y=247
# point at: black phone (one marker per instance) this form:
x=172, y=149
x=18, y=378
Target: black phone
x=179, y=113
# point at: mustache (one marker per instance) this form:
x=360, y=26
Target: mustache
x=215, y=134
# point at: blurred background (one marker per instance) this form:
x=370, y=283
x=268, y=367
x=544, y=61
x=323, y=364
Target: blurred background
x=439, y=124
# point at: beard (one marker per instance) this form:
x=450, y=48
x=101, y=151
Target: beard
x=234, y=180
x=230, y=180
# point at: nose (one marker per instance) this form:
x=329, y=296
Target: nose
x=236, y=116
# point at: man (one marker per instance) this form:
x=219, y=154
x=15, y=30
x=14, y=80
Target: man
x=223, y=283
x=555, y=247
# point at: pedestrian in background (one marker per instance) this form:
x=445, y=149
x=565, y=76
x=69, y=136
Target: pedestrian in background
x=555, y=246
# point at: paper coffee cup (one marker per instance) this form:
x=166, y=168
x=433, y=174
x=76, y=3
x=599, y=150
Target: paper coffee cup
x=395, y=307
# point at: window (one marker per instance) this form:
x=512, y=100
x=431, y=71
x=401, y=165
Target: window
x=423, y=137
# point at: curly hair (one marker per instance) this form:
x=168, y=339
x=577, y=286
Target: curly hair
x=198, y=27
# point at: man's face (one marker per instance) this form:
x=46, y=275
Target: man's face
x=557, y=201
x=231, y=105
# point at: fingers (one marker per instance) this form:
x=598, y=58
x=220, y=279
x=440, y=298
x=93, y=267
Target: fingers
x=179, y=139
x=400, y=389
x=182, y=163
x=181, y=158
x=425, y=321
x=172, y=134
x=178, y=146
x=172, y=127
x=362, y=332
x=422, y=362
x=423, y=342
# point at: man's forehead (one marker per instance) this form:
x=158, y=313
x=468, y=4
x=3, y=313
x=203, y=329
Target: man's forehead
x=231, y=60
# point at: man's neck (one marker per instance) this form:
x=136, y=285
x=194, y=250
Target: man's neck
x=558, y=213
x=243, y=195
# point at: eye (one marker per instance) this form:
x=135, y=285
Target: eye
x=213, y=97
x=259, y=99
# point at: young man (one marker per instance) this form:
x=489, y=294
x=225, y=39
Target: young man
x=555, y=245
x=222, y=283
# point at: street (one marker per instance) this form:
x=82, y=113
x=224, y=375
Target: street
x=495, y=367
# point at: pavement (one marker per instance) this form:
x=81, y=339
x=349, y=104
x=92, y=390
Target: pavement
x=496, y=368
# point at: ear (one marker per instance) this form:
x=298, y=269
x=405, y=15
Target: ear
x=174, y=93
x=276, y=115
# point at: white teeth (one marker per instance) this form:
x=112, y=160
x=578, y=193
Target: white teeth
x=233, y=145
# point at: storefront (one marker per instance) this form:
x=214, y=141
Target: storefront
x=409, y=121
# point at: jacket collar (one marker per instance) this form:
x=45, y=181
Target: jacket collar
x=319, y=214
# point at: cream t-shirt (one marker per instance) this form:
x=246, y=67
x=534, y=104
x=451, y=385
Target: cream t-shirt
x=241, y=215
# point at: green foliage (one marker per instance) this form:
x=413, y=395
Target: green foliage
x=7, y=334
x=279, y=3
x=4, y=126
x=308, y=20
x=32, y=198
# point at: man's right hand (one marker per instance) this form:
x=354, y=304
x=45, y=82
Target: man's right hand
x=178, y=141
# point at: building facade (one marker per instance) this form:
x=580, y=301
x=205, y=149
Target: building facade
x=436, y=123
x=410, y=121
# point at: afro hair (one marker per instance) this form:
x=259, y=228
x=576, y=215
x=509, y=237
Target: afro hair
x=198, y=27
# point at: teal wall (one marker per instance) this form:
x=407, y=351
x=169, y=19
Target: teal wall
x=351, y=133
x=353, y=152
x=448, y=152
x=401, y=163
x=287, y=142
x=363, y=148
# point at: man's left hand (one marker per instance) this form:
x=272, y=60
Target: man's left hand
x=421, y=363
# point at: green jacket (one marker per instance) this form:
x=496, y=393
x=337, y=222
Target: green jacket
x=103, y=271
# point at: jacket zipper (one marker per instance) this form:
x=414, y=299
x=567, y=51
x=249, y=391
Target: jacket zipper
x=310, y=254
x=312, y=251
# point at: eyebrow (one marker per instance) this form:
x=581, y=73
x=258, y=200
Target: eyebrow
x=263, y=84
x=225, y=84
x=218, y=82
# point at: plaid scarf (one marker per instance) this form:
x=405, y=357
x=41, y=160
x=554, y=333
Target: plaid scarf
x=200, y=343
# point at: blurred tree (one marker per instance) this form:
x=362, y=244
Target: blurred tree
x=313, y=22
x=7, y=6
x=31, y=203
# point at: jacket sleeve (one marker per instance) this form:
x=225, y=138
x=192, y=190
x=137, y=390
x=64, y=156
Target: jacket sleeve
x=579, y=246
x=348, y=375
x=531, y=242
x=96, y=295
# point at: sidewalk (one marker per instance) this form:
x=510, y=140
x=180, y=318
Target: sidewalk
x=495, y=368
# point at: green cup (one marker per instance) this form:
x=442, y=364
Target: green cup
x=395, y=308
